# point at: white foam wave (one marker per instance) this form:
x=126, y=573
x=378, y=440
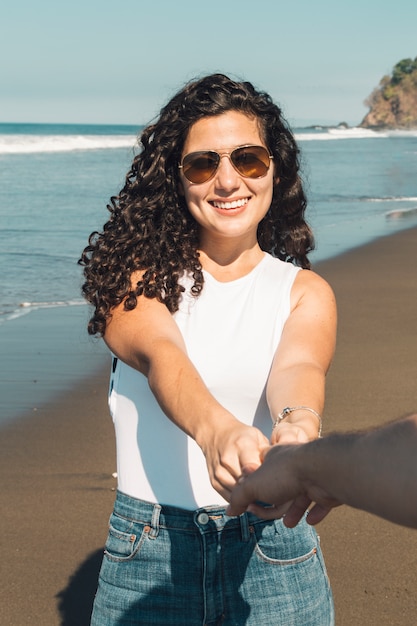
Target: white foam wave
x=49, y=305
x=402, y=133
x=332, y=134
x=27, y=307
x=394, y=199
x=401, y=213
x=29, y=144
x=356, y=133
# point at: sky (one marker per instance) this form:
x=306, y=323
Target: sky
x=119, y=61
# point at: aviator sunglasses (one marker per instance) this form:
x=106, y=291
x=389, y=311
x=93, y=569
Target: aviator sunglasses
x=248, y=161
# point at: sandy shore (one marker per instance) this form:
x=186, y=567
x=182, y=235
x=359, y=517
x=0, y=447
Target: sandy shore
x=57, y=466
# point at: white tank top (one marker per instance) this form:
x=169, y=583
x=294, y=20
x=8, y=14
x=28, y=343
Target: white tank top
x=231, y=332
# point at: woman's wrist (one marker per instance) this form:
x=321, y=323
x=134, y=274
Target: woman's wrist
x=300, y=415
x=213, y=422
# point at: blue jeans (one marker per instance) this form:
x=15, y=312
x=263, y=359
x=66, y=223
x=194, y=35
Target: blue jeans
x=168, y=566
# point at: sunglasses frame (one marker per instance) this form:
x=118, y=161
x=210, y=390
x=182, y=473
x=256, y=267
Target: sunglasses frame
x=220, y=155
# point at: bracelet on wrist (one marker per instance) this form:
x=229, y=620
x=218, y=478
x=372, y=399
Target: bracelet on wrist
x=290, y=409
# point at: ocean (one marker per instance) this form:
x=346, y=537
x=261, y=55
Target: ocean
x=55, y=182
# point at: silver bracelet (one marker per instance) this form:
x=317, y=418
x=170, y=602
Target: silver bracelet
x=288, y=410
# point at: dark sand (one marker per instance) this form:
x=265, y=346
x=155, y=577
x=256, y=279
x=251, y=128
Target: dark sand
x=56, y=466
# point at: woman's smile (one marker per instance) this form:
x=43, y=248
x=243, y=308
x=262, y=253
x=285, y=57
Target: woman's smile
x=229, y=205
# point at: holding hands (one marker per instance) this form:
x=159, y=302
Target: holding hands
x=375, y=471
x=280, y=483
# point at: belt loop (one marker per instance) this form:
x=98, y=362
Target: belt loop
x=155, y=521
x=244, y=527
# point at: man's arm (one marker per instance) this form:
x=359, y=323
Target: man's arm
x=375, y=471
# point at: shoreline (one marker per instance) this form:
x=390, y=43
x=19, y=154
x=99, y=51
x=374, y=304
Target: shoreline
x=57, y=468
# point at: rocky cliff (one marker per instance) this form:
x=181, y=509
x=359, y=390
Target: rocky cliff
x=393, y=104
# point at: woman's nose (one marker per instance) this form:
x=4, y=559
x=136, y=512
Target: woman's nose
x=226, y=176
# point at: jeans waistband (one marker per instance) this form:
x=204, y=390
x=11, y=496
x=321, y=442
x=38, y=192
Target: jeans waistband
x=204, y=519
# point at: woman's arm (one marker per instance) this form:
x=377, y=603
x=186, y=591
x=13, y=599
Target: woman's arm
x=148, y=339
x=302, y=359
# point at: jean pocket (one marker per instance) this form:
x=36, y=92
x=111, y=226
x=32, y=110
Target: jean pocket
x=124, y=544
x=279, y=545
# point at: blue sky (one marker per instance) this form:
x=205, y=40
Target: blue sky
x=108, y=61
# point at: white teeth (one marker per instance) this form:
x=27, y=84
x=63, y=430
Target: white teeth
x=230, y=205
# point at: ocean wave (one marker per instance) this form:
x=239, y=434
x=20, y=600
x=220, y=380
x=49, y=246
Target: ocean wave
x=24, y=308
x=393, y=199
x=401, y=213
x=29, y=144
x=338, y=198
x=334, y=134
x=50, y=305
x=33, y=143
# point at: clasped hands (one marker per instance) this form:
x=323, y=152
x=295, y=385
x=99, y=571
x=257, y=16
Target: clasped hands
x=262, y=476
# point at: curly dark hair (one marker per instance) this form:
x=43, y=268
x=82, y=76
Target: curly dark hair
x=150, y=227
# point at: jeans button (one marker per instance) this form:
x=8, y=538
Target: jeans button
x=202, y=518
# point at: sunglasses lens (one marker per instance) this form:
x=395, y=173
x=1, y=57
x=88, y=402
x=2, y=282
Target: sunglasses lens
x=251, y=161
x=199, y=167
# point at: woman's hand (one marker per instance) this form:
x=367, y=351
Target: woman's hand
x=289, y=432
x=232, y=450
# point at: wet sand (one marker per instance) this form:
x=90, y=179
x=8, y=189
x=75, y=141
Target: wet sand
x=57, y=463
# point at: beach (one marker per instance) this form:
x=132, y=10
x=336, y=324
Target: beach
x=58, y=466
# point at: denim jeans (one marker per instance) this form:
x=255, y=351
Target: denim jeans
x=168, y=566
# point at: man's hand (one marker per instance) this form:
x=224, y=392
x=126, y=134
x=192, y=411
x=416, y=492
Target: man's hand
x=277, y=489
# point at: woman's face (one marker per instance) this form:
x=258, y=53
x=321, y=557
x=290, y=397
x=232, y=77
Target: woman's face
x=229, y=205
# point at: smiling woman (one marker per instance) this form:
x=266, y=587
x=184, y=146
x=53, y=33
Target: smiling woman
x=201, y=291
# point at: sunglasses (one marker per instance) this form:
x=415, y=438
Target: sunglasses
x=248, y=161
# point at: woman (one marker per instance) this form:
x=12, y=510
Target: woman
x=221, y=340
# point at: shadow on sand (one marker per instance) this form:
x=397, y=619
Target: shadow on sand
x=75, y=602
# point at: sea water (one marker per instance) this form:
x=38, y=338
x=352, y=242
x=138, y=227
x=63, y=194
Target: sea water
x=55, y=182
